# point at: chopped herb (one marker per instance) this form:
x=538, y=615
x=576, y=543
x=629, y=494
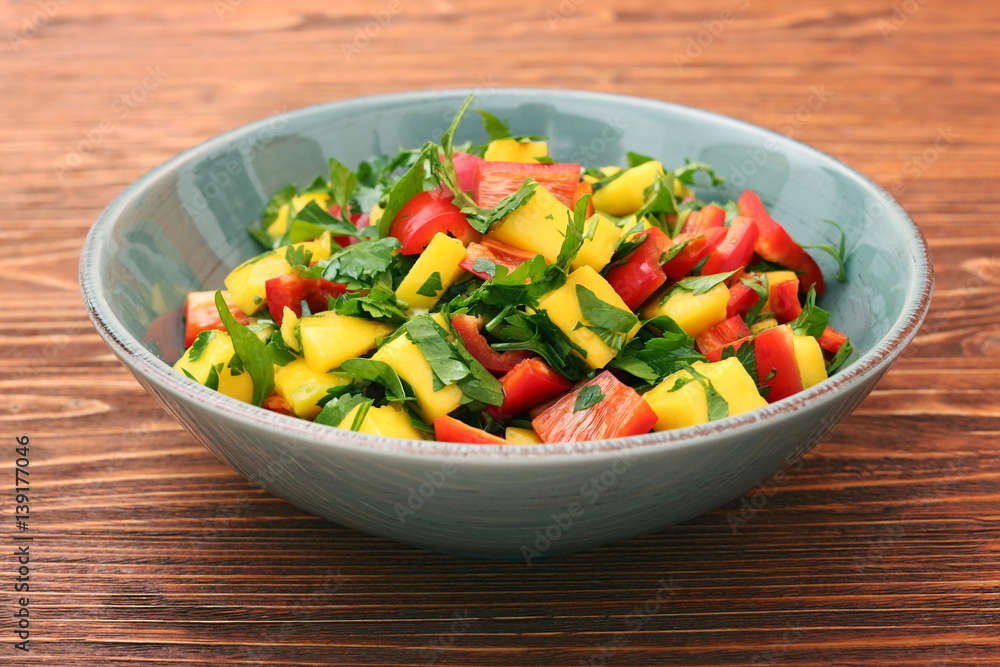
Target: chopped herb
x=200, y=344
x=496, y=129
x=251, y=351
x=635, y=159
x=406, y=188
x=343, y=182
x=313, y=220
x=543, y=159
x=718, y=407
x=371, y=370
x=654, y=359
x=747, y=357
x=610, y=323
x=812, y=321
x=278, y=350
x=589, y=396
x=379, y=304
x=763, y=290
x=432, y=340
x=431, y=286
x=485, y=266
x=699, y=285
x=839, y=253
x=359, y=265
x=336, y=410
x=479, y=384
x=212, y=381
x=842, y=355
x=686, y=173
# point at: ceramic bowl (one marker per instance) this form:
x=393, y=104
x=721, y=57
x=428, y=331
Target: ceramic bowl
x=182, y=227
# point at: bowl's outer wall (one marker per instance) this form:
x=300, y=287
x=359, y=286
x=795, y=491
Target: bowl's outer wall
x=184, y=228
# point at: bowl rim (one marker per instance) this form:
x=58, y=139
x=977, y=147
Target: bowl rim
x=141, y=361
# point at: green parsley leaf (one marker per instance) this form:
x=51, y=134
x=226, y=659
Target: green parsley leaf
x=686, y=173
x=589, y=396
x=278, y=350
x=359, y=265
x=212, y=381
x=573, y=240
x=479, y=384
x=763, y=290
x=485, y=266
x=482, y=219
x=379, y=304
x=635, y=159
x=610, y=323
x=432, y=340
x=839, y=253
x=718, y=407
x=343, y=182
x=535, y=332
x=842, y=355
x=313, y=220
x=654, y=359
x=747, y=358
x=660, y=201
x=431, y=286
x=197, y=348
x=371, y=370
x=698, y=285
x=251, y=351
x=496, y=129
x=543, y=159
x=336, y=411
x=812, y=320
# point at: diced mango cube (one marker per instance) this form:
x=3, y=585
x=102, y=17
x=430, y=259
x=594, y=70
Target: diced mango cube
x=246, y=282
x=809, y=358
x=512, y=150
x=442, y=257
x=627, y=193
x=329, y=339
x=409, y=363
x=540, y=228
x=692, y=313
x=563, y=308
x=388, y=420
x=303, y=387
x=280, y=224
x=218, y=353
x=765, y=323
x=688, y=405
x=521, y=436
x=288, y=322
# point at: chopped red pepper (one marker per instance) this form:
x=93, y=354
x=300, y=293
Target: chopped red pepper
x=640, y=273
x=698, y=247
x=494, y=251
x=200, y=314
x=775, y=244
x=526, y=385
x=832, y=340
x=584, y=188
x=360, y=221
x=292, y=289
x=776, y=366
x=699, y=222
x=741, y=299
x=498, y=363
x=735, y=250
x=426, y=214
x=449, y=429
x=277, y=403
x=466, y=165
x=714, y=339
x=619, y=412
x=785, y=301
x=496, y=180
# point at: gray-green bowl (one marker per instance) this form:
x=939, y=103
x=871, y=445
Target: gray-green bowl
x=182, y=227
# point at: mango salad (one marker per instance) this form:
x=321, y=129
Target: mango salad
x=491, y=294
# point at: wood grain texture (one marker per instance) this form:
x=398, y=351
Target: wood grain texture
x=882, y=547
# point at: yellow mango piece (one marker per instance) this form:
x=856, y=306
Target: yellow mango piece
x=218, y=351
x=765, y=323
x=375, y=215
x=809, y=358
x=512, y=150
x=302, y=387
x=688, y=405
x=389, y=420
x=280, y=223
x=563, y=309
x=329, y=339
x=521, y=436
x=775, y=278
x=540, y=228
x=692, y=313
x=246, y=282
x=441, y=256
x=409, y=363
x=627, y=193
x=288, y=321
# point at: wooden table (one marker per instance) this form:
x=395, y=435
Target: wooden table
x=882, y=547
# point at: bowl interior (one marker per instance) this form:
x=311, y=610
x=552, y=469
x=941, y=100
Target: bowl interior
x=183, y=226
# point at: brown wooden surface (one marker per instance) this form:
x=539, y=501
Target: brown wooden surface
x=881, y=549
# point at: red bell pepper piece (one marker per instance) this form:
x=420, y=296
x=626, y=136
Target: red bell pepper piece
x=498, y=363
x=775, y=244
x=714, y=339
x=493, y=251
x=526, y=385
x=832, y=340
x=741, y=300
x=496, y=180
x=200, y=314
x=682, y=263
x=466, y=165
x=584, y=188
x=449, y=429
x=426, y=214
x=785, y=301
x=277, y=403
x=621, y=412
x=360, y=221
x=775, y=354
x=735, y=250
x=640, y=273
x=699, y=222
x=292, y=289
